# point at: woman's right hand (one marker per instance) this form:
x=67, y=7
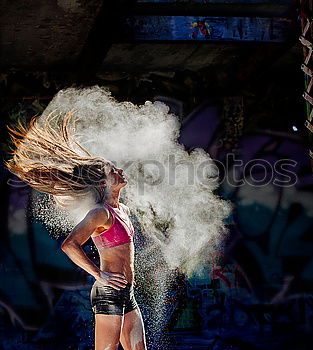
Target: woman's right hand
x=112, y=279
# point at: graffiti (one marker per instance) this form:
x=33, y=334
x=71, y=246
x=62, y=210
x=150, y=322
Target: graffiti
x=207, y=28
x=270, y=248
x=200, y=27
x=249, y=299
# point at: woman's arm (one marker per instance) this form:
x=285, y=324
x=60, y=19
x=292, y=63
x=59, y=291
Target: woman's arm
x=79, y=235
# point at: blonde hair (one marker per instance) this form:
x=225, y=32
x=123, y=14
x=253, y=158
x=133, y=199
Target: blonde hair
x=48, y=157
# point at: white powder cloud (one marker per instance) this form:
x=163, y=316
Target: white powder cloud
x=169, y=191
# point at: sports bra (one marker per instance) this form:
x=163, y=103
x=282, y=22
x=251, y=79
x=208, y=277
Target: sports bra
x=120, y=232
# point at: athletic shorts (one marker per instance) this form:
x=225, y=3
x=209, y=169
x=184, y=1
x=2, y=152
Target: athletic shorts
x=109, y=301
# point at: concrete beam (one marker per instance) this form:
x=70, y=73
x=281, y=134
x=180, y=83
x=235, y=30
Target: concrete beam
x=286, y=9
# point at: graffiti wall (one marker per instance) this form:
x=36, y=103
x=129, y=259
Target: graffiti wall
x=259, y=294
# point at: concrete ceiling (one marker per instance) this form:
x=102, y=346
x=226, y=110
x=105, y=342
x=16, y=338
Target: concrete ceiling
x=44, y=34
x=87, y=35
x=82, y=42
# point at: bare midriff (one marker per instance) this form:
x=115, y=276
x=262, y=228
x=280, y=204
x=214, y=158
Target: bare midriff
x=119, y=259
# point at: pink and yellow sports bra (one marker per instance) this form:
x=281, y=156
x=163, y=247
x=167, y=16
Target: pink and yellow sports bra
x=121, y=232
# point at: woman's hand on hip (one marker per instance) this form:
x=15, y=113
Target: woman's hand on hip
x=112, y=279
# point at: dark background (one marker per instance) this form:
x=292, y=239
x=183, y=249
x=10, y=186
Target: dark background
x=231, y=72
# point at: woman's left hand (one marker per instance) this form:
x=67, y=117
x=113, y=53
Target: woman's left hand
x=112, y=279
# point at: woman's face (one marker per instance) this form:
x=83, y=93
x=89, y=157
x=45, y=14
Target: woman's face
x=116, y=178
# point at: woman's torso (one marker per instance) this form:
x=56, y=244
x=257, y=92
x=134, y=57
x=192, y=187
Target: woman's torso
x=120, y=257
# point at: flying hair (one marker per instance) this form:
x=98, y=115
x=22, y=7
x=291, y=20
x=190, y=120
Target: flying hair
x=48, y=157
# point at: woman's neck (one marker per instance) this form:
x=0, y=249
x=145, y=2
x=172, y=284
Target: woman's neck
x=113, y=199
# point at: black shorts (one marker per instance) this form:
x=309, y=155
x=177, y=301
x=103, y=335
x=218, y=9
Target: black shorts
x=109, y=301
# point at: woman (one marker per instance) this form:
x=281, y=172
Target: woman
x=47, y=157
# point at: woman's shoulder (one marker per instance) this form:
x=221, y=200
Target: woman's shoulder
x=99, y=212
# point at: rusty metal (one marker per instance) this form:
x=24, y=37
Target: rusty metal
x=306, y=39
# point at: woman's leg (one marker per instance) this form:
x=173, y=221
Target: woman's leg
x=107, y=331
x=133, y=334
